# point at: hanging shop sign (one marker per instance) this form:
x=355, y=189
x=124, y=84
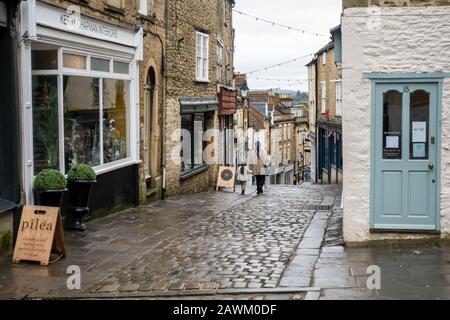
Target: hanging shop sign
x=40, y=232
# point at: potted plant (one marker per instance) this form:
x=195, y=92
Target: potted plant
x=81, y=181
x=49, y=188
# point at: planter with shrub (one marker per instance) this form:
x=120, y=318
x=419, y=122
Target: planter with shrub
x=81, y=181
x=49, y=188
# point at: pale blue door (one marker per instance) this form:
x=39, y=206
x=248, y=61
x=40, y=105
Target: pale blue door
x=405, y=157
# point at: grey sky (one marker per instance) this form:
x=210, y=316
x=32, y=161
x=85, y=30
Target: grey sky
x=259, y=44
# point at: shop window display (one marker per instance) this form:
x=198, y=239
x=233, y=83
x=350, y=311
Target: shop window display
x=81, y=121
x=115, y=101
x=94, y=118
x=45, y=123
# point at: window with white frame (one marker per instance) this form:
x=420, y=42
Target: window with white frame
x=202, y=60
x=324, y=58
x=143, y=7
x=324, y=96
x=81, y=107
x=219, y=60
x=339, y=98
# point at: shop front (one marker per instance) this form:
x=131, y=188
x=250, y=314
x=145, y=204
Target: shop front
x=80, y=92
x=9, y=122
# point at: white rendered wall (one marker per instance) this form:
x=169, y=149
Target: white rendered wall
x=376, y=39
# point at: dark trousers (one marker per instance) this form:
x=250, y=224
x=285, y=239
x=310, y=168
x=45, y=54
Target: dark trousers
x=260, y=180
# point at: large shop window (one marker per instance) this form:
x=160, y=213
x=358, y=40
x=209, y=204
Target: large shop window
x=193, y=127
x=94, y=113
x=45, y=123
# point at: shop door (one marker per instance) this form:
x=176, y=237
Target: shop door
x=406, y=164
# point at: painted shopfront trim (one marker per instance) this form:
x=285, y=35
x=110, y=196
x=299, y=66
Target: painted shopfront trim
x=395, y=78
x=405, y=76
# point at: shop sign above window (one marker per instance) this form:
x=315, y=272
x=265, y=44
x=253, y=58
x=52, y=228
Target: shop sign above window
x=3, y=15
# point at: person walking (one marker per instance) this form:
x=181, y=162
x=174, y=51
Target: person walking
x=258, y=166
x=242, y=176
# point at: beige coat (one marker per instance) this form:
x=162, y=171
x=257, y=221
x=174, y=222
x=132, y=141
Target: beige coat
x=258, y=164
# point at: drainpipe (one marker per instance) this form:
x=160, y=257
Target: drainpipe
x=163, y=113
x=316, y=124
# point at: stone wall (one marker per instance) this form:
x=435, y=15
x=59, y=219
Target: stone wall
x=183, y=20
x=394, y=3
x=328, y=73
x=407, y=39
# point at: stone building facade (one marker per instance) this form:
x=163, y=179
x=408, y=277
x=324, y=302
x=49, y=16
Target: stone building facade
x=194, y=30
x=324, y=71
x=397, y=176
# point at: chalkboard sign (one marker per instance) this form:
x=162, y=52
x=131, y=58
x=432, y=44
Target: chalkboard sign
x=40, y=233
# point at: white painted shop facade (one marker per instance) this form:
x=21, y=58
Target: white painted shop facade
x=396, y=122
x=79, y=90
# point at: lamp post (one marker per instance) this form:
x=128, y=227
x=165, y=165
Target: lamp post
x=244, y=95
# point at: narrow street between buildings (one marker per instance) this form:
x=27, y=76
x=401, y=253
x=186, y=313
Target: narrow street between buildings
x=284, y=244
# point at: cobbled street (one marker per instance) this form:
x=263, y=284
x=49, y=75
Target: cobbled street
x=285, y=244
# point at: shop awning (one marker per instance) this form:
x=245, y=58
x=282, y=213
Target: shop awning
x=198, y=104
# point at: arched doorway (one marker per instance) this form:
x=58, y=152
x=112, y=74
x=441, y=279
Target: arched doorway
x=151, y=129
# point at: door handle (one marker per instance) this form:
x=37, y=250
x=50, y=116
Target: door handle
x=431, y=166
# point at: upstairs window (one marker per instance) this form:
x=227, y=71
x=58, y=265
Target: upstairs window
x=339, y=98
x=202, y=60
x=143, y=7
x=324, y=58
x=219, y=60
x=324, y=96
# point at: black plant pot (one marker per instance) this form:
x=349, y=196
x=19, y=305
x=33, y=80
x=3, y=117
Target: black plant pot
x=49, y=198
x=80, y=195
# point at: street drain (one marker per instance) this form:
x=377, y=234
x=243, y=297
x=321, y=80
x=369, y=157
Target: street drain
x=317, y=207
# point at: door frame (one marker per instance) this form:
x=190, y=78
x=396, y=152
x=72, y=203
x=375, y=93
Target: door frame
x=397, y=78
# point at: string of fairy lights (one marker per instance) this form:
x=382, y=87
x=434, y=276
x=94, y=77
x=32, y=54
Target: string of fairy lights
x=280, y=64
x=289, y=82
x=280, y=25
x=299, y=81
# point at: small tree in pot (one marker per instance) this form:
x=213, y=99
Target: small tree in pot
x=81, y=180
x=49, y=188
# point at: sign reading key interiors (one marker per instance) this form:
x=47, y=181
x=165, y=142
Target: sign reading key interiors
x=71, y=20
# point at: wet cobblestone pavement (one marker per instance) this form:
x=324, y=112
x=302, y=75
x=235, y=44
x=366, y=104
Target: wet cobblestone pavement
x=247, y=246
x=286, y=244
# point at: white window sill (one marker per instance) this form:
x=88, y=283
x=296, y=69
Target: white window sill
x=202, y=81
x=114, y=166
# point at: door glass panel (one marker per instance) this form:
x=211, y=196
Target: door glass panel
x=392, y=125
x=419, y=124
x=45, y=123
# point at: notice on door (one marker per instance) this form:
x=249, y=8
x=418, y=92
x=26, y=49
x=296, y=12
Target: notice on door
x=419, y=150
x=392, y=142
x=419, y=132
